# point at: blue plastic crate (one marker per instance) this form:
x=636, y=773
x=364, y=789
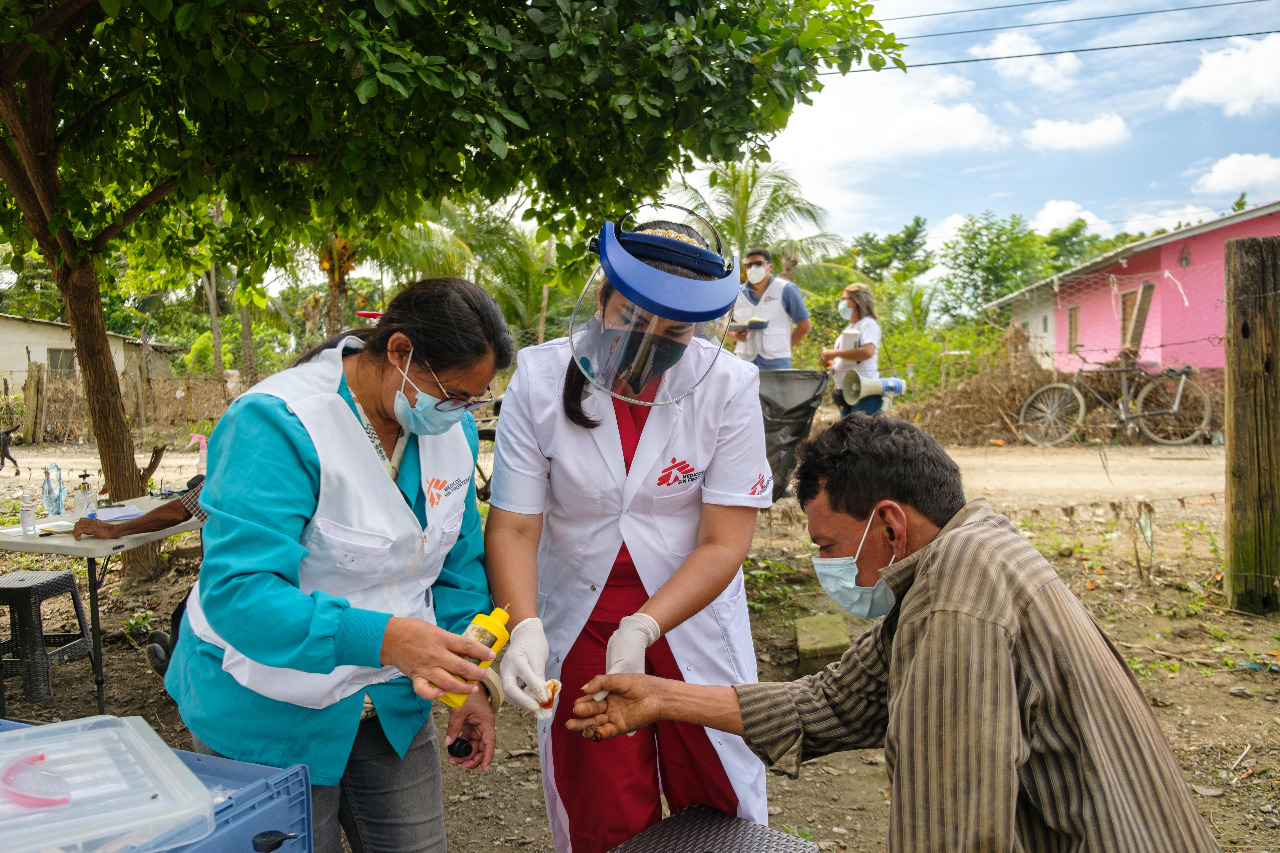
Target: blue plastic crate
x=261, y=799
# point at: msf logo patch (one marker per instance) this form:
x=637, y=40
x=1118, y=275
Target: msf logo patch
x=678, y=473
x=764, y=483
x=438, y=489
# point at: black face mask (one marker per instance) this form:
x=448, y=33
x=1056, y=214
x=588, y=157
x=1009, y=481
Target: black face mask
x=657, y=357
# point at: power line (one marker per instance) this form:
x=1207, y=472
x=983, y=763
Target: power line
x=966, y=11
x=1060, y=52
x=1079, y=20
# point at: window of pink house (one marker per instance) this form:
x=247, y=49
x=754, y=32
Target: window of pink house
x=1073, y=328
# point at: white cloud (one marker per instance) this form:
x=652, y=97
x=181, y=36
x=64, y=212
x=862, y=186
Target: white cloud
x=1256, y=174
x=1059, y=213
x=1167, y=218
x=1104, y=130
x=1048, y=72
x=859, y=123
x=1240, y=78
x=944, y=233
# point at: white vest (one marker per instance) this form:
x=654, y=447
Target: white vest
x=773, y=341
x=594, y=504
x=364, y=542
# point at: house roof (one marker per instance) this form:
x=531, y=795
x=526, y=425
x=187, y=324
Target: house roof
x=156, y=345
x=1136, y=248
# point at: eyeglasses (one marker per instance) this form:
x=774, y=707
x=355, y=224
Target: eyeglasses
x=456, y=402
x=751, y=264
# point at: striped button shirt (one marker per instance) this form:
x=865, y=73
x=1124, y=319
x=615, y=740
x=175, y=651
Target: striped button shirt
x=1008, y=719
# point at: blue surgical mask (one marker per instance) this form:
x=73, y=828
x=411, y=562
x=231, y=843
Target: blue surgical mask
x=839, y=577
x=846, y=310
x=423, y=418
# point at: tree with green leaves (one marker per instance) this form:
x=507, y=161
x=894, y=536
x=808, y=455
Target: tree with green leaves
x=113, y=112
x=757, y=203
x=989, y=258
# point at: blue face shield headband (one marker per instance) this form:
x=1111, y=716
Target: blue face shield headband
x=671, y=297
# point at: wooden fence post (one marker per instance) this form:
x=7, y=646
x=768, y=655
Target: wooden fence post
x=1252, y=572
x=34, y=392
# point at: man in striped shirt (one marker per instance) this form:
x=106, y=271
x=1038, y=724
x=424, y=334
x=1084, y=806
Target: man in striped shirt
x=1009, y=720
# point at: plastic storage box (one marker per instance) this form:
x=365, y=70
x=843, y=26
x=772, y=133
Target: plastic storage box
x=258, y=799
x=248, y=799
x=97, y=785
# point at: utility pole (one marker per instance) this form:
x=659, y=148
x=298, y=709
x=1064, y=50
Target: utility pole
x=1252, y=571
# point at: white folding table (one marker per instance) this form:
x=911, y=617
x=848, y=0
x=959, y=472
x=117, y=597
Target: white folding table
x=94, y=550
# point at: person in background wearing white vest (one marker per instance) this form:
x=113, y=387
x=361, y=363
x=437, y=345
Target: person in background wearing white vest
x=628, y=470
x=857, y=348
x=343, y=552
x=775, y=300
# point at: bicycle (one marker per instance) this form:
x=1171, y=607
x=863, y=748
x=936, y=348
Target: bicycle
x=1169, y=408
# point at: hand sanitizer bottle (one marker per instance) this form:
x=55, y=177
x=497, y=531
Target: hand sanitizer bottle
x=84, y=504
x=27, y=515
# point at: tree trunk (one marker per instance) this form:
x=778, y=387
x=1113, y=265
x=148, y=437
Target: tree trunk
x=79, y=287
x=248, y=367
x=336, y=259
x=789, y=264
x=210, y=282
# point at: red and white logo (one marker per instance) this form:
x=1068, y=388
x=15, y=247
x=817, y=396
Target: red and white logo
x=437, y=489
x=434, y=487
x=678, y=472
x=763, y=484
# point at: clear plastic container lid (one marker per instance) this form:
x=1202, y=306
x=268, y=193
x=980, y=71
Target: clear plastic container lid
x=97, y=785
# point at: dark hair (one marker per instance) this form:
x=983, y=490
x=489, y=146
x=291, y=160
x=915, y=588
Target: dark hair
x=575, y=381
x=450, y=322
x=762, y=252
x=862, y=460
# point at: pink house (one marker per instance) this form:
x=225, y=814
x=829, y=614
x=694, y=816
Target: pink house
x=1082, y=313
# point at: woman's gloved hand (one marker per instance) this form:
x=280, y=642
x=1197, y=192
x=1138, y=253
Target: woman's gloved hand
x=627, y=646
x=524, y=667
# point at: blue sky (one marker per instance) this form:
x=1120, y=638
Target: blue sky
x=1129, y=139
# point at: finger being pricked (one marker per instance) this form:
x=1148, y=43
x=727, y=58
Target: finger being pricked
x=595, y=729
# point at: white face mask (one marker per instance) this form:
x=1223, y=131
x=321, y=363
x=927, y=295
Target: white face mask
x=755, y=275
x=846, y=310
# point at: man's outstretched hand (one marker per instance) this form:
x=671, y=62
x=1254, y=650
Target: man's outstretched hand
x=633, y=703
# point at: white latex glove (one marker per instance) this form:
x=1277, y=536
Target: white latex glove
x=524, y=666
x=625, y=652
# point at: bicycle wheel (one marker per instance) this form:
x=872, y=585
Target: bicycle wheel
x=484, y=463
x=1052, y=414
x=1167, y=425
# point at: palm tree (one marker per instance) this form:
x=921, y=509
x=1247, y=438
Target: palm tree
x=761, y=204
x=480, y=242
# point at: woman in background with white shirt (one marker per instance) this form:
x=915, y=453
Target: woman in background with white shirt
x=856, y=348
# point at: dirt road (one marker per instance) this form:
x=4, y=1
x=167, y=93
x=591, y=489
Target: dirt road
x=1019, y=473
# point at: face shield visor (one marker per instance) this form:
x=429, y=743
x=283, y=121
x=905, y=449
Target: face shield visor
x=645, y=335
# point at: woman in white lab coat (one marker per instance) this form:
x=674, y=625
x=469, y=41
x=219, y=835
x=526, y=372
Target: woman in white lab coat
x=628, y=472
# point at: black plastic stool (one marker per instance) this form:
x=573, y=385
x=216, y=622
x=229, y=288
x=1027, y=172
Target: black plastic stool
x=29, y=651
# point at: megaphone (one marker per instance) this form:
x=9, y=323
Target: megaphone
x=856, y=387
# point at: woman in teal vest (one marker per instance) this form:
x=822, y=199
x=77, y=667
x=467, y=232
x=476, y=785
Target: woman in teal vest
x=343, y=556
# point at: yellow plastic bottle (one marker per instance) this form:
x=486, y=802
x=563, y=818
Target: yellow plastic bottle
x=488, y=630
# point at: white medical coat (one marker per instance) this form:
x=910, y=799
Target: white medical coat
x=707, y=447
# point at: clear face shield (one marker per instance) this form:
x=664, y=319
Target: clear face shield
x=645, y=335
